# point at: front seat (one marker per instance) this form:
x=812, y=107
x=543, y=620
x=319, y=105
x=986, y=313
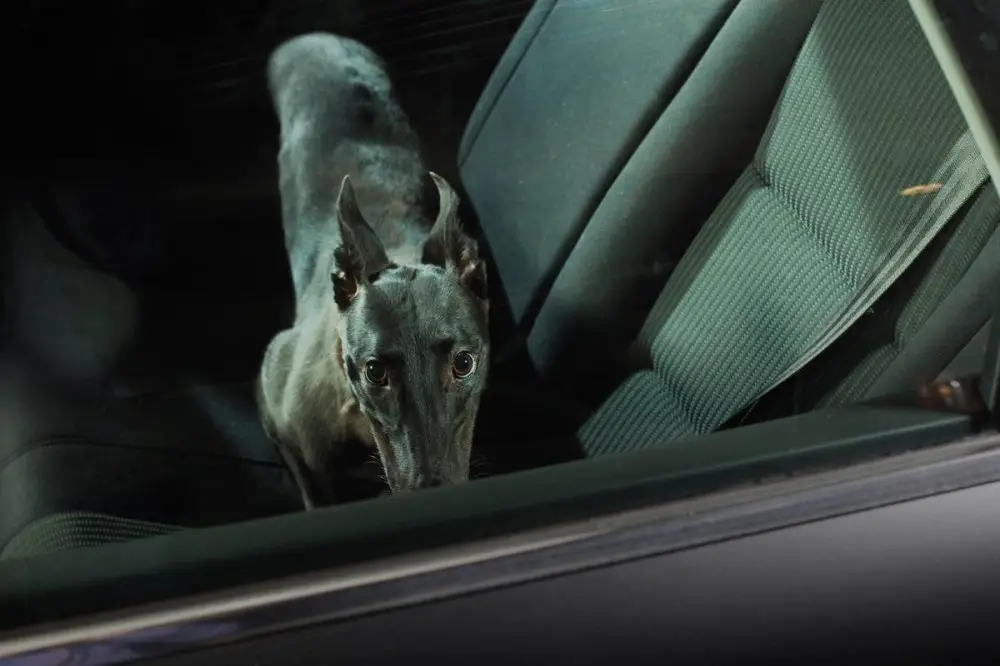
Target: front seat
x=863, y=112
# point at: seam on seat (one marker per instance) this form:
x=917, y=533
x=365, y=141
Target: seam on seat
x=813, y=232
x=691, y=265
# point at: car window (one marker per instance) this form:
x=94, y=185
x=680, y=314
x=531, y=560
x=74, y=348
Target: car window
x=278, y=261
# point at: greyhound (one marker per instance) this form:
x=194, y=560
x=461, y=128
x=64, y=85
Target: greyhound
x=390, y=345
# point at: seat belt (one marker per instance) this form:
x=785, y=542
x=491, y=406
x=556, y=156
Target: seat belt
x=962, y=174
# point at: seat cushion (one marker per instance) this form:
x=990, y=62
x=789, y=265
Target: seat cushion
x=193, y=459
x=77, y=529
x=803, y=229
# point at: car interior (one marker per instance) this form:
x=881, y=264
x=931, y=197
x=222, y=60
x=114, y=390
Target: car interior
x=676, y=199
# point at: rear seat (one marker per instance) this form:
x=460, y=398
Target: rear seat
x=79, y=464
x=864, y=113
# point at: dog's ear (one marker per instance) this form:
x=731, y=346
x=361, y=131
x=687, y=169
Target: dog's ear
x=450, y=247
x=360, y=253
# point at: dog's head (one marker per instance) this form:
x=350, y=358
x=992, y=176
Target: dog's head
x=414, y=342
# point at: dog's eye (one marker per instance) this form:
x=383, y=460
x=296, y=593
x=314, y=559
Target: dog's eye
x=463, y=364
x=375, y=373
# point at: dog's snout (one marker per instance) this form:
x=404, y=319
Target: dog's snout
x=421, y=482
x=424, y=457
x=427, y=481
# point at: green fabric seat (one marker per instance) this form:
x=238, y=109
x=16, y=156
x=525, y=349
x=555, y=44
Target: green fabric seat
x=78, y=529
x=865, y=113
x=822, y=111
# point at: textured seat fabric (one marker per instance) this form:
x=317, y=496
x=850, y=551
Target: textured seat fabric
x=865, y=112
x=78, y=529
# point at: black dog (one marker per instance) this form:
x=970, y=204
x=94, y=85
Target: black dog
x=390, y=342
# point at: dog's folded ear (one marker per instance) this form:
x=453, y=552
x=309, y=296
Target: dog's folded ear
x=360, y=253
x=450, y=247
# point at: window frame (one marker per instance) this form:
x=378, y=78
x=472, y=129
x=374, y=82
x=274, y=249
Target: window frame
x=344, y=563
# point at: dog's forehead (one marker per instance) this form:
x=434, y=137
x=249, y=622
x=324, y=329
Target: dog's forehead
x=413, y=306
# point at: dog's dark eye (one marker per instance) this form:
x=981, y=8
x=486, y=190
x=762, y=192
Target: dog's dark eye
x=463, y=364
x=375, y=373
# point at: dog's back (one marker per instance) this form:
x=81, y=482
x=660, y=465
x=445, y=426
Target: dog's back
x=338, y=115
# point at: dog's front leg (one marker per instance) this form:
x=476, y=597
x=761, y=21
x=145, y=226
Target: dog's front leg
x=323, y=476
x=301, y=476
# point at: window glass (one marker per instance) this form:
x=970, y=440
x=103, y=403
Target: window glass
x=265, y=257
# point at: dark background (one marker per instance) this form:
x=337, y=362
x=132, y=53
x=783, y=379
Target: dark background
x=143, y=132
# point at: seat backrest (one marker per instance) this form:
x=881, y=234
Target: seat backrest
x=71, y=442
x=606, y=135
x=865, y=113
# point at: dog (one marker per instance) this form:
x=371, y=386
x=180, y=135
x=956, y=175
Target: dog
x=390, y=343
